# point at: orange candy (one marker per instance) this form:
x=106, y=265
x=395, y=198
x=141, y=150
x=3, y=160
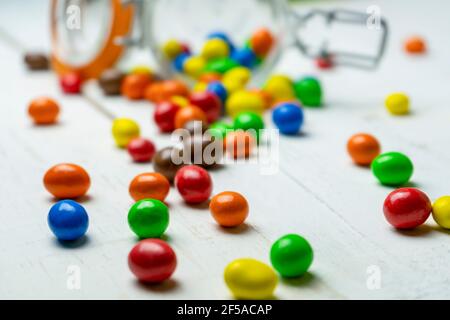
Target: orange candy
x=165, y=90
x=363, y=148
x=67, y=181
x=134, y=85
x=239, y=144
x=187, y=114
x=261, y=42
x=210, y=77
x=149, y=186
x=43, y=110
x=266, y=97
x=415, y=45
x=229, y=209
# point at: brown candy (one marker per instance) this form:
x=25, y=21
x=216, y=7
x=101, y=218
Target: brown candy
x=36, y=61
x=111, y=81
x=163, y=164
x=203, y=150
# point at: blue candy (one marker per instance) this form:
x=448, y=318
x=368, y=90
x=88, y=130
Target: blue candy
x=68, y=220
x=288, y=117
x=218, y=89
x=178, y=63
x=245, y=57
x=224, y=37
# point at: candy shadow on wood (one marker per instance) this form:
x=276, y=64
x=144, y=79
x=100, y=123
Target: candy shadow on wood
x=75, y=244
x=308, y=279
x=83, y=199
x=420, y=231
x=241, y=229
x=167, y=286
x=201, y=206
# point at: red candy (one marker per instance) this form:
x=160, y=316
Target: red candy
x=165, y=116
x=152, y=261
x=70, y=83
x=407, y=208
x=141, y=150
x=209, y=103
x=324, y=62
x=194, y=184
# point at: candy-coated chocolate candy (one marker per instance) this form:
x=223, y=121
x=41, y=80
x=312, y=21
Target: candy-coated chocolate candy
x=250, y=279
x=239, y=144
x=149, y=186
x=141, y=150
x=189, y=113
x=245, y=57
x=68, y=220
x=67, y=181
x=415, y=45
x=194, y=184
x=236, y=79
x=142, y=69
x=209, y=77
x=43, y=110
x=200, y=87
x=215, y=49
x=288, y=117
x=407, y=208
x=180, y=101
x=124, y=130
x=220, y=129
x=148, y=218
x=218, y=89
x=36, y=61
x=209, y=103
x=173, y=88
x=202, y=150
x=163, y=162
x=262, y=42
x=110, y=81
x=280, y=88
x=324, y=62
x=70, y=83
x=164, y=116
x=363, y=148
x=441, y=212
x=172, y=49
x=224, y=37
x=309, y=92
x=134, y=85
x=250, y=121
x=392, y=168
x=397, y=104
x=179, y=61
x=221, y=65
x=229, y=209
x=242, y=101
x=291, y=255
x=152, y=261
x=194, y=66
x=264, y=95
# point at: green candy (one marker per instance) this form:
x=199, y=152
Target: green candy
x=148, y=218
x=309, y=92
x=392, y=168
x=220, y=129
x=247, y=121
x=221, y=65
x=291, y=255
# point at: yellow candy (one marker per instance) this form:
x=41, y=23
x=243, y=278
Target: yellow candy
x=280, y=88
x=397, y=104
x=179, y=100
x=194, y=66
x=214, y=49
x=242, y=100
x=250, y=279
x=124, y=130
x=141, y=69
x=236, y=79
x=172, y=49
x=441, y=212
x=200, y=87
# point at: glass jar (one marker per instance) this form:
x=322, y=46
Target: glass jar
x=92, y=35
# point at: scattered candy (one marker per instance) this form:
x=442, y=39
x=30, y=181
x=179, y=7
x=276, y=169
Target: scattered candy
x=194, y=66
x=249, y=121
x=36, y=61
x=43, y=111
x=194, y=184
x=164, y=116
x=196, y=127
x=172, y=49
x=189, y=113
x=148, y=218
x=220, y=129
x=245, y=57
x=68, y=220
x=239, y=144
x=415, y=45
x=110, y=82
x=209, y=77
x=291, y=255
x=141, y=150
x=215, y=48
x=280, y=88
x=224, y=37
x=242, y=101
x=441, y=212
x=70, y=83
x=229, y=209
x=250, y=279
x=236, y=79
x=163, y=162
x=124, y=130
x=407, y=208
x=209, y=103
x=180, y=60
x=397, y=104
x=142, y=69
x=220, y=65
x=134, y=85
x=149, y=186
x=218, y=89
x=324, y=62
x=363, y=148
x=392, y=168
x=288, y=117
x=309, y=92
x=67, y=181
x=152, y=261
x=262, y=42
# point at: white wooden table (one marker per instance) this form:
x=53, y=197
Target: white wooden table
x=317, y=193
